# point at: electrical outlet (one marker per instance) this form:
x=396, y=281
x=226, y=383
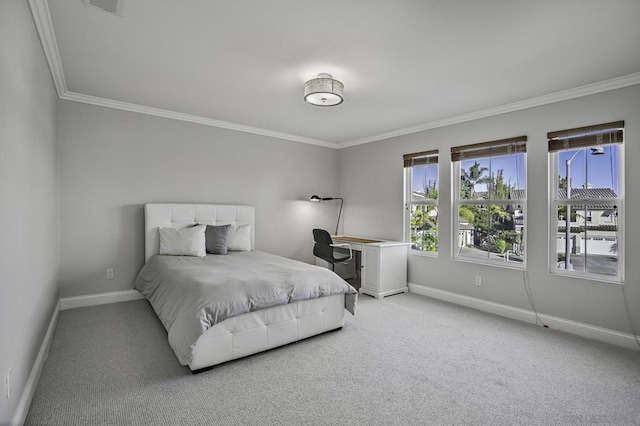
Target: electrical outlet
x=478, y=280
x=109, y=273
x=8, y=383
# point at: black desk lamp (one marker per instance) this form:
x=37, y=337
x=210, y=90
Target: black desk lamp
x=317, y=199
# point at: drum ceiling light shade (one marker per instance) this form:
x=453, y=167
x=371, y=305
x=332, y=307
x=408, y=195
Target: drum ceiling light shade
x=323, y=91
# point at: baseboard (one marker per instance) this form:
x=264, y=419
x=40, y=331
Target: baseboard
x=22, y=408
x=99, y=299
x=580, y=329
x=20, y=414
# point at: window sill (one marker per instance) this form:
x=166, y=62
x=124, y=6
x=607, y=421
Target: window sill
x=496, y=263
x=609, y=279
x=420, y=253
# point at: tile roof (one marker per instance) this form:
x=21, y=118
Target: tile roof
x=590, y=193
x=577, y=193
x=582, y=193
x=517, y=194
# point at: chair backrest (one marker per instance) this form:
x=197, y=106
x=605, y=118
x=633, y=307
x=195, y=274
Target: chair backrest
x=322, y=247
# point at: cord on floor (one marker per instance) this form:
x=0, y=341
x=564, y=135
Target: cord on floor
x=530, y=297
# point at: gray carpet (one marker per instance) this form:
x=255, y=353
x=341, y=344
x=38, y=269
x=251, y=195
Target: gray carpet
x=403, y=360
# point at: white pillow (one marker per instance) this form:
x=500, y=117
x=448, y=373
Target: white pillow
x=240, y=238
x=183, y=242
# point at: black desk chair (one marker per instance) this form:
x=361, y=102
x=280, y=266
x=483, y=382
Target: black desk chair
x=324, y=248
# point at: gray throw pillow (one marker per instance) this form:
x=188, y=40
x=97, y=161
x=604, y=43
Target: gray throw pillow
x=216, y=237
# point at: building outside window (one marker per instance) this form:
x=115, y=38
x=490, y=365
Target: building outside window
x=586, y=188
x=490, y=202
x=421, y=201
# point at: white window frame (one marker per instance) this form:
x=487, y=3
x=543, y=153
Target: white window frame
x=555, y=202
x=515, y=145
x=411, y=161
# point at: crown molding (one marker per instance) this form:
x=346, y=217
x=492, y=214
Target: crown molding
x=44, y=25
x=141, y=109
x=577, y=92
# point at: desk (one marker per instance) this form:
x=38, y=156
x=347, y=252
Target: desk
x=383, y=264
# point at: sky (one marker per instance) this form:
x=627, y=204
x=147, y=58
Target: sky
x=601, y=171
x=422, y=175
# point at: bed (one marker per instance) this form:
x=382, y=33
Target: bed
x=272, y=301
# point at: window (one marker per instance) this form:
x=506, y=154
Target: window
x=490, y=202
x=586, y=188
x=421, y=201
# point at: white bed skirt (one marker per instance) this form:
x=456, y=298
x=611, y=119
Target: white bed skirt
x=258, y=331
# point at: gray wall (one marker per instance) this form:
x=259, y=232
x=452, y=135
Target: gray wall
x=112, y=162
x=29, y=242
x=371, y=178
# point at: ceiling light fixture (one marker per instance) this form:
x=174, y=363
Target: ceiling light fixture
x=323, y=91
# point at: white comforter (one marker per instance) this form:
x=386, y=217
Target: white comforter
x=191, y=294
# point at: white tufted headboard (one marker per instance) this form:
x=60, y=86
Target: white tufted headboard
x=178, y=215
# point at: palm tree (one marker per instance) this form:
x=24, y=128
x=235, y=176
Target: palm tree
x=469, y=179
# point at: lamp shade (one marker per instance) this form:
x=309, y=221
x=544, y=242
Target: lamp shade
x=317, y=198
x=324, y=91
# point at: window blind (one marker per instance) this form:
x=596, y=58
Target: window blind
x=583, y=137
x=489, y=149
x=420, y=158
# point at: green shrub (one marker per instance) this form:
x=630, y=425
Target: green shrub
x=500, y=245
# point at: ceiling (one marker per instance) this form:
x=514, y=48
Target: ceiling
x=406, y=65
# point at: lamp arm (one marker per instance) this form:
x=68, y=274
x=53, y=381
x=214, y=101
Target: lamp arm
x=339, y=214
x=317, y=198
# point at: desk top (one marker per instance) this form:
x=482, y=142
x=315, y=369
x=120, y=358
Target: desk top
x=360, y=240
